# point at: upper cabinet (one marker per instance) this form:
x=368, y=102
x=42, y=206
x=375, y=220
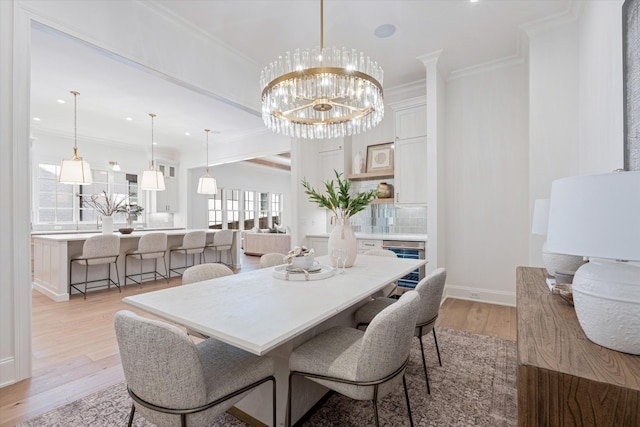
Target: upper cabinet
x=167, y=200
x=411, y=155
x=410, y=122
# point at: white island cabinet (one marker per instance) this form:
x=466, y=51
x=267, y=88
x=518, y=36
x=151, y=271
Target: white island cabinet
x=52, y=252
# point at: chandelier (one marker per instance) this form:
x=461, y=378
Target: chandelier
x=322, y=93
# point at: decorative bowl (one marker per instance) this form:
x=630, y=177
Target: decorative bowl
x=303, y=262
x=125, y=230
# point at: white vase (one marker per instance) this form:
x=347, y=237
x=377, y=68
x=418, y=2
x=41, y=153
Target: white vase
x=343, y=236
x=107, y=225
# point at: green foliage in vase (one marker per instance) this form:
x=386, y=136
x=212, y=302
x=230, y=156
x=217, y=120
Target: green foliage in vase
x=337, y=198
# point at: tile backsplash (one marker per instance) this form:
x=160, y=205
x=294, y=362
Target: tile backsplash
x=386, y=218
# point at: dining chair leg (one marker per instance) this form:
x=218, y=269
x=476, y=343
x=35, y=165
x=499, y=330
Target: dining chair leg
x=406, y=396
x=117, y=275
x=164, y=260
x=437, y=348
x=424, y=365
x=86, y=278
x=287, y=421
x=273, y=408
x=133, y=411
x=375, y=404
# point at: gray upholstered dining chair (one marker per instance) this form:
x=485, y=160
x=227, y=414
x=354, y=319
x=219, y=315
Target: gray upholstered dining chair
x=389, y=289
x=97, y=250
x=222, y=242
x=193, y=244
x=362, y=365
x=271, y=259
x=150, y=246
x=173, y=381
x=430, y=289
x=199, y=273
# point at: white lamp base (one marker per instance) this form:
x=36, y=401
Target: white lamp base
x=559, y=262
x=606, y=296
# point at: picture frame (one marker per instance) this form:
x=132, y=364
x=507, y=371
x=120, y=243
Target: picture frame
x=380, y=158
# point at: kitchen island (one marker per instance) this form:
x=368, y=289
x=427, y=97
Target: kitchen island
x=52, y=252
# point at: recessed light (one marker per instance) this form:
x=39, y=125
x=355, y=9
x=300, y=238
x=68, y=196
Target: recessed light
x=187, y=133
x=60, y=101
x=36, y=119
x=128, y=119
x=385, y=30
x=474, y=1
x=155, y=143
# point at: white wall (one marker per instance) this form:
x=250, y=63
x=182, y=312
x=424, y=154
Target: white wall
x=600, y=102
x=486, y=183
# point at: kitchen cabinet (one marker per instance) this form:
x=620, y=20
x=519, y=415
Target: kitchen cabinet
x=319, y=244
x=411, y=155
x=411, y=172
x=367, y=244
x=167, y=200
x=410, y=122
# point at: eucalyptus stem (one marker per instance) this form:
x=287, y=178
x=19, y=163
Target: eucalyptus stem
x=338, y=199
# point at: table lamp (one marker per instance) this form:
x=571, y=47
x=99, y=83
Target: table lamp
x=553, y=262
x=598, y=216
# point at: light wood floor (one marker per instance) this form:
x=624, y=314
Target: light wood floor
x=75, y=351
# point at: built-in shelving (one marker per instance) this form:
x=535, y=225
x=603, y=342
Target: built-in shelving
x=370, y=176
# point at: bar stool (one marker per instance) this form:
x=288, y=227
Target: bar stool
x=97, y=250
x=192, y=243
x=150, y=246
x=222, y=241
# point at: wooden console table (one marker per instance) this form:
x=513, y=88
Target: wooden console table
x=563, y=378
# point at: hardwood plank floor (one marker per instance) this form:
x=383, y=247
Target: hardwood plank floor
x=75, y=352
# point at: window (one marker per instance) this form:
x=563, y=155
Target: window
x=276, y=209
x=55, y=200
x=240, y=213
x=65, y=203
x=249, y=211
x=263, y=216
x=215, y=211
x=233, y=209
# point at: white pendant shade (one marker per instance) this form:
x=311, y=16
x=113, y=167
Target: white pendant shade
x=152, y=180
x=207, y=185
x=75, y=172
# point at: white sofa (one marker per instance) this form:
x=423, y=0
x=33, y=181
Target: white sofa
x=263, y=243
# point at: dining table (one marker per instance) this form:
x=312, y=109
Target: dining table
x=270, y=312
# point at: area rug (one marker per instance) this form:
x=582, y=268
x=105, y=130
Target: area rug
x=475, y=386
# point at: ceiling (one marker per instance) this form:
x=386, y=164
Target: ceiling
x=111, y=89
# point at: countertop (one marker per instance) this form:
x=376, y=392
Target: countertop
x=53, y=232
x=136, y=234
x=396, y=237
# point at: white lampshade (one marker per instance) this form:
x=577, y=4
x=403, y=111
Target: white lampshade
x=152, y=180
x=596, y=216
x=540, y=217
x=75, y=171
x=207, y=185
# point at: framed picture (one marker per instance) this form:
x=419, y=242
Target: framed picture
x=380, y=157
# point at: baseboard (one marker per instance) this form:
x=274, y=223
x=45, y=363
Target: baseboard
x=54, y=296
x=489, y=296
x=7, y=371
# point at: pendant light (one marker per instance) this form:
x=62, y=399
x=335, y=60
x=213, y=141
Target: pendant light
x=76, y=170
x=152, y=180
x=207, y=183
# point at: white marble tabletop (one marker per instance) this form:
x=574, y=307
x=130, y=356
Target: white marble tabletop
x=257, y=312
